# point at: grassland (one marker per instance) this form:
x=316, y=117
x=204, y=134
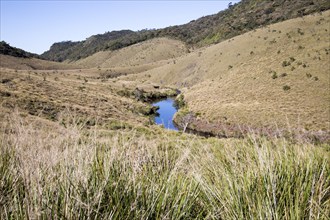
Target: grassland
x=148, y=52
x=268, y=78
x=73, y=172
x=77, y=142
x=11, y=62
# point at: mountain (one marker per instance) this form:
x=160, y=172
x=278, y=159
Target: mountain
x=237, y=19
x=60, y=51
x=6, y=49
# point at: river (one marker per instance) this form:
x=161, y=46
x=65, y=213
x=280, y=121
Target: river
x=165, y=114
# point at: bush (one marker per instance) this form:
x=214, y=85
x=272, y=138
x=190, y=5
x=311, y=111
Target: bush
x=286, y=88
x=292, y=59
x=179, y=101
x=274, y=76
x=286, y=63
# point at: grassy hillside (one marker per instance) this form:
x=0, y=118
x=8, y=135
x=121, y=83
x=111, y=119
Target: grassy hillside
x=241, y=18
x=77, y=140
x=20, y=63
x=151, y=51
x=237, y=19
x=273, y=76
x=48, y=94
x=68, y=50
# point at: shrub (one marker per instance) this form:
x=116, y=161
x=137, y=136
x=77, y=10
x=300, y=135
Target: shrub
x=272, y=41
x=300, y=31
x=274, y=76
x=292, y=59
x=179, y=101
x=283, y=75
x=286, y=63
x=286, y=88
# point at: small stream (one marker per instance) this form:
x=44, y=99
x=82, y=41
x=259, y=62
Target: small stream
x=165, y=114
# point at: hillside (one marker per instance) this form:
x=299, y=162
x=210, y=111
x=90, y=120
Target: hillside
x=20, y=63
x=78, y=138
x=6, y=49
x=237, y=19
x=277, y=76
x=69, y=50
x=151, y=51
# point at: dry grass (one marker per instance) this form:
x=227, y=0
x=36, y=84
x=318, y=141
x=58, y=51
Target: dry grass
x=243, y=81
x=232, y=82
x=72, y=148
x=155, y=52
x=47, y=93
x=58, y=172
x=32, y=64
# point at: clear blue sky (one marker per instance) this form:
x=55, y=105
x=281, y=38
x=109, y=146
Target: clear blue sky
x=35, y=25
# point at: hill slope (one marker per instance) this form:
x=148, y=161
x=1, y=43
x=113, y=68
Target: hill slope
x=69, y=50
x=6, y=49
x=20, y=63
x=138, y=54
x=269, y=77
x=238, y=19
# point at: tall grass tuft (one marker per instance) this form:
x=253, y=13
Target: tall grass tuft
x=262, y=179
x=48, y=171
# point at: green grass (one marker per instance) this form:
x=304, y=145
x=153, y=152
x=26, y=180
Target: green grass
x=74, y=173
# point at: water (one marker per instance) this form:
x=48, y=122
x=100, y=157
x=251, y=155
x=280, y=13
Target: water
x=166, y=112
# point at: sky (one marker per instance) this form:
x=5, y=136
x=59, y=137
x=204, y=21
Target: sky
x=35, y=25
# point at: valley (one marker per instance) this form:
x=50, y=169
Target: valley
x=79, y=139
x=271, y=80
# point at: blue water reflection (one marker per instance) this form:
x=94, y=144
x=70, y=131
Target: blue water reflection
x=166, y=112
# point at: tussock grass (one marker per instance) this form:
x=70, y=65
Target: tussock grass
x=76, y=173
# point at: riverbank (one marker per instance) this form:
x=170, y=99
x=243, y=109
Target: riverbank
x=192, y=122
